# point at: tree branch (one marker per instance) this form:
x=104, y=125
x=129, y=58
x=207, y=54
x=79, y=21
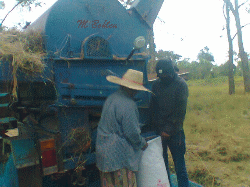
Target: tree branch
x=224, y=10
x=243, y=3
x=241, y=27
x=11, y=11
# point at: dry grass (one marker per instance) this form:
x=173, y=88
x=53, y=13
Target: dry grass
x=24, y=50
x=217, y=134
x=78, y=141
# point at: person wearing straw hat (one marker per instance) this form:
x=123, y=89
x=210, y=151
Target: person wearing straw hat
x=119, y=144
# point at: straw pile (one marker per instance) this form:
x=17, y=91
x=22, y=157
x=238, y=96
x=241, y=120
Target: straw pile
x=24, y=50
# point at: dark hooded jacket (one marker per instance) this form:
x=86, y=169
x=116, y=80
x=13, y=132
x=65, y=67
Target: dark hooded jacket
x=168, y=105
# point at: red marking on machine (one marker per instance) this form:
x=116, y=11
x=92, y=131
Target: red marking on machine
x=96, y=24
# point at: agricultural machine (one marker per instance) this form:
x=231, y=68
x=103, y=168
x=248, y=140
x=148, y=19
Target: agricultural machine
x=57, y=113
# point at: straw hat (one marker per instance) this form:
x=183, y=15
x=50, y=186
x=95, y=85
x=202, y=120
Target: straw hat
x=132, y=79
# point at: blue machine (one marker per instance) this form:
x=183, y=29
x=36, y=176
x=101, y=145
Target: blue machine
x=85, y=40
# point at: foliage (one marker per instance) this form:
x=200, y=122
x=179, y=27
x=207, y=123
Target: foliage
x=224, y=69
x=204, y=54
x=201, y=69
x=204, y=68
x=183, y=64
x=167, y=55
x=160, y=55
x=28, y=3
x=2, y=5
x=239, y=68
x=197, y=70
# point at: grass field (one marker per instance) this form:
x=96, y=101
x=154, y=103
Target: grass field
x=217, y=128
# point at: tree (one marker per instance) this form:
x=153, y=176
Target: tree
x=23, y=3
x=168, y=54
x=183, y=65
x=194, y=70
x=243, y=55
x=151, y=50
x=224, y=69
x=205, y=63
x=2, y=5
x=204, y=54
x=204, y=68
x=231, y=52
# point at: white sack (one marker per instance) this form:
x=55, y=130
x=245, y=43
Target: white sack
x=152, y=170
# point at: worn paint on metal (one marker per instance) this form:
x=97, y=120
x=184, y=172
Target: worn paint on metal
x=24, y=153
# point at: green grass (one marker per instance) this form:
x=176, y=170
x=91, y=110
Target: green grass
x=217, y=128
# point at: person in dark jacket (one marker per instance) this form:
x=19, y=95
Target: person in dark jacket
x=168, y=109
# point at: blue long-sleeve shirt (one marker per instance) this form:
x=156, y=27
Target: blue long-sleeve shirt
x=119, y=142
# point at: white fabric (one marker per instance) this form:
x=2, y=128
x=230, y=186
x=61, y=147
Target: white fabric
x=152, y=171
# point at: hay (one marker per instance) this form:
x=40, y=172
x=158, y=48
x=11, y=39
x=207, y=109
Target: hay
x=24, y=49
x=79, y=139
x=78, y=142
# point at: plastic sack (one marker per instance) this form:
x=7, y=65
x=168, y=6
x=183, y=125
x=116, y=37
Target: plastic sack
x=152, y=170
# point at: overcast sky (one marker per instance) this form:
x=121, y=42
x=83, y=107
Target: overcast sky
x=190, y=25
x=183, y=26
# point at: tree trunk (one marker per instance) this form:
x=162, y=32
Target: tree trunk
x=242, y=53
x=230, y=62
x=152, y=60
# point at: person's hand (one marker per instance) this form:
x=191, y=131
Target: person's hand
x=165, y=135
x=145, y=146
